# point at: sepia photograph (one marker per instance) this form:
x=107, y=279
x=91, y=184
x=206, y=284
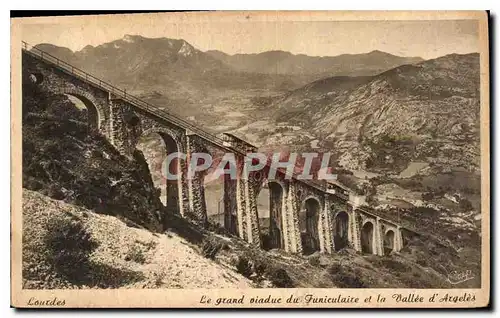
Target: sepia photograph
x=251, y=159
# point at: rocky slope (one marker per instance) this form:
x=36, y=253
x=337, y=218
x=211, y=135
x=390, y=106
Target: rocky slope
x=108, y=253
x=427, y=111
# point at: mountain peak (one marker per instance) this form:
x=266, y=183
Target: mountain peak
x=49, y=46
x=378, y=52
x=131, y=38
x=186, y=49
x=277, y=53
x=87, y=47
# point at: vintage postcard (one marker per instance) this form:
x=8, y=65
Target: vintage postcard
x=251, y=159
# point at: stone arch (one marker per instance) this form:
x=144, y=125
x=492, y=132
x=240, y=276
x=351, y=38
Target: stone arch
x=368, y=238
x=341, y=230
x=269, y=196
x=389, y=238
x=278, y=182
x=96, y=114
x=308, y=223
x=170, y=187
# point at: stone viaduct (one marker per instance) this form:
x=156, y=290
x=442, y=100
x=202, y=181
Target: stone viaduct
x=305, y=216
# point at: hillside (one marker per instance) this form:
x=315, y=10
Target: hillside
x=432, y=106
x=102, y=251
x=90, y=172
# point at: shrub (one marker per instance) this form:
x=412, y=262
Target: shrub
x=210, y=248
x=158, y=278
x=244, y=266
x=280, y=278
x=69, y=247
x=266, y=242
x=465, y=205
x=395, y=265
x=259, y=268
x=135, y=254
x=54, y=191
x=149, y=245
x=345, y=277
x=218, y=229
x=314, y=260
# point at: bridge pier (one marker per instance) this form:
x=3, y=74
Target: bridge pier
x=326, y=228
x=355, y=233
x=286, y=221
x=246, y=206
x=116, y=132
x=241, y=200
x=230, y=205
x=379, y=238
x=293, y=226
x=398, y=239
x=250, y=188
x=196, y=191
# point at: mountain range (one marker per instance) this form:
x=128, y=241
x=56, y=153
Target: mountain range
x=135, y=61
x=281, y=62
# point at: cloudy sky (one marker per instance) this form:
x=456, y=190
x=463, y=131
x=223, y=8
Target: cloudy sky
x=250, y=34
